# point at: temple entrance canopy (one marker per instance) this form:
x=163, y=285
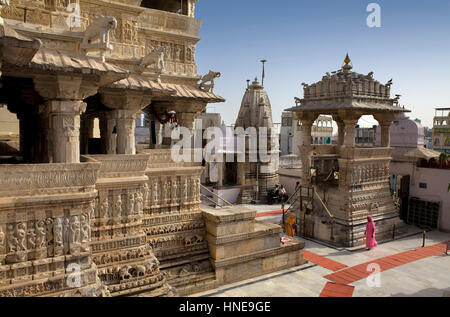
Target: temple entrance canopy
x=360, y=173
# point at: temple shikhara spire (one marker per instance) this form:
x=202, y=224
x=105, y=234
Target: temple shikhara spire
x=256, y=112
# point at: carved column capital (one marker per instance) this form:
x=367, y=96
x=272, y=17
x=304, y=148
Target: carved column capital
x=125, y=99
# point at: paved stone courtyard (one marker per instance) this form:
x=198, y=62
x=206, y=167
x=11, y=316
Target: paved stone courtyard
x=429, y=276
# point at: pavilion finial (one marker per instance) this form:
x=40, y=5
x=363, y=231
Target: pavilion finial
x=347, y=62
x=347, y=59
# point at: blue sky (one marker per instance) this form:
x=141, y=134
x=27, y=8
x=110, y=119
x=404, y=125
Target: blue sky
x=302, y=40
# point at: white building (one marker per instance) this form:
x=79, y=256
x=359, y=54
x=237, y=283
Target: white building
x=422, y=191
x=290, y=134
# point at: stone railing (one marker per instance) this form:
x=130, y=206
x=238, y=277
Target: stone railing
x=161, y=158
x=170, y=22
x=119, y=165
x=366, y=153
x=324, y=149
x=37, y=179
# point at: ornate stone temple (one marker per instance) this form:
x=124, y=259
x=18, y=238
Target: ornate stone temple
x=81, y=216
x=257, y=177
x=343, y=184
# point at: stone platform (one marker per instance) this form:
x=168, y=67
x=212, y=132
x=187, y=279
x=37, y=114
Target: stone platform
x=242, y=247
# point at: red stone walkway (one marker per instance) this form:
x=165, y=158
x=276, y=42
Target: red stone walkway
x=337, y=290
x=322, y=261
x=358, y=272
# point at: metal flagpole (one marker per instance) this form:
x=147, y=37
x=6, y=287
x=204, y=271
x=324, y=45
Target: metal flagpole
x=263, y=73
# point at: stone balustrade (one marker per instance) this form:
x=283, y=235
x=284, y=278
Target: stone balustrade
x=119, y=165
x=366, y=153
x=324, y=149
x=38, y=179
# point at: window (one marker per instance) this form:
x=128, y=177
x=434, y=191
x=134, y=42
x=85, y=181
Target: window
x=437, y=142
x=175, y=6
x=423, y=185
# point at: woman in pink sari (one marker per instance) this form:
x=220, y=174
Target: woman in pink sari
x=370, y=234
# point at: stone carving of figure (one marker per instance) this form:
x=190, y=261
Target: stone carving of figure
x=84, y=232
x=165, y=192
x=155, y=59
x=12, y=240
x=145, y=194
x=40, y=234
x=131, y=204
x=174, y=191
x=210, y=77
x=92, y=207
x=186, y=190
x=118, y=207
x=196, y=190
x=2, y=240
x=66, y=234
x=49, y=231
x=155, y=192
x=75, y=230
x=21, y=236
x=99, y=30
x=58, y=232
x=31, y=237
x=103, y=209
x=139, y=205
x=179, y=53
x=190, y=54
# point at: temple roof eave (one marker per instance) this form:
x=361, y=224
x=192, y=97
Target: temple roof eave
x=17, y=49
x=189, y=93
x=48, y=61
x=334, y=107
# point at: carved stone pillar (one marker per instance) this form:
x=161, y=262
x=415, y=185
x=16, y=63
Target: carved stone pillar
x=63, y=106
x=26, y=135
x=385, y=133
x=125, y=125
x=65, y=129
x=158, y=133
x=126, y=103
x=241, y=173
x=305, y=151
x=108, y=133
x=220, y=171
x=46, y=155
x=350, y=132
x=385, y=120
x=341, y=130
x=86, y=132
x=187, y=120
